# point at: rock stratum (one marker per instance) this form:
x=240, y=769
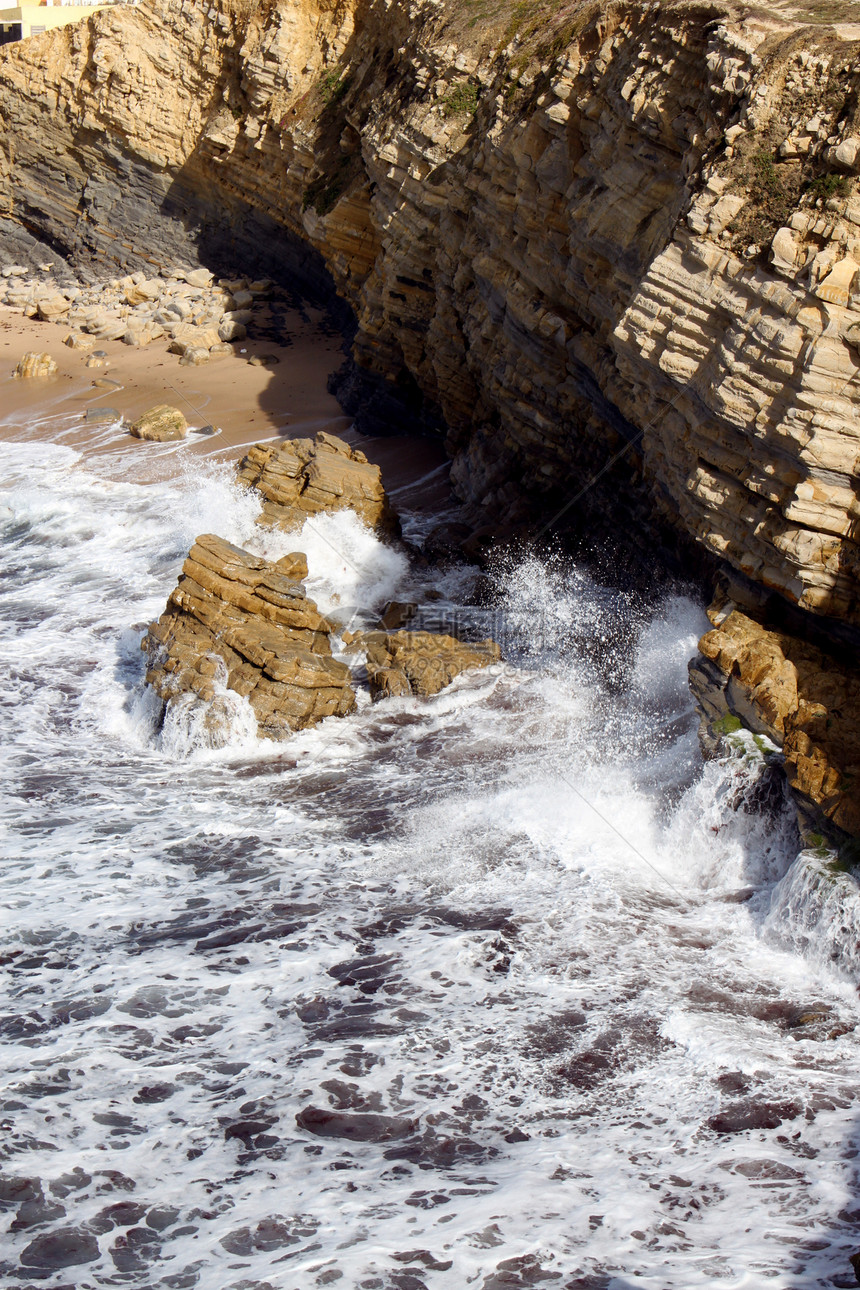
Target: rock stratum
x=302, y=477
x=239, y=622
x=615, y=258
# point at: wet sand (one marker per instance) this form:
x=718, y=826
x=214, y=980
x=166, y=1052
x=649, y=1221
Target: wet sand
x=245, y=403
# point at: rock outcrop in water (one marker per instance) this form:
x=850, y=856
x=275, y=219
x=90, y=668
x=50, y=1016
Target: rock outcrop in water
x=593, y=247
x=419, y=663
x=302, y=477
x=805, y=701
x=239, y=622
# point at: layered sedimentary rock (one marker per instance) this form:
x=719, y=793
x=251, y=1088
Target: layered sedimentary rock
x=419, y=663
x=302, y=477
x=598, y=247
x=807, y=702
x=239, y=622
x=34, y=364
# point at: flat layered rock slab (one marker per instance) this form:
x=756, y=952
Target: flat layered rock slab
x=303, y=477
x=238, y=622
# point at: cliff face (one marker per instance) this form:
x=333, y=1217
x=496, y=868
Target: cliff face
x=616, y=243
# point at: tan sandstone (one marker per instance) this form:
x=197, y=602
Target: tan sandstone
x=241, y=622
x=302, y=477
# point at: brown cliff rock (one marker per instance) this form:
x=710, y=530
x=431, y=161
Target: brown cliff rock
x=305, y=476
x=807, y=702
x=420, y=663
x=240, y=621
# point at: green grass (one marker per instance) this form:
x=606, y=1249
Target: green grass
x=461, y=100
x=333, y=86
x=827, y=186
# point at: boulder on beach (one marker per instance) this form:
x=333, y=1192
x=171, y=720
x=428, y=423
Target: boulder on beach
x=50, y=308
x=239, y=622
x=420, y=663
x=302, y=477
x=161, y=423
x=77, y=340
x=34, y=364
x=194, y=356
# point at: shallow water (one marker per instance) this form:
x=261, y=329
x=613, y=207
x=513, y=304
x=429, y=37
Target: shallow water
x=498, y=988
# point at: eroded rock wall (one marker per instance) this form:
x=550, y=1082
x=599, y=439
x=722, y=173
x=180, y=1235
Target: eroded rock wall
x=629, y=251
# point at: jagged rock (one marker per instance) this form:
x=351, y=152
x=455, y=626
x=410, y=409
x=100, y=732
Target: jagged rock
x=139, y=334
x=421, y=663
x=396, y=613
x=304, y=476
x=807, y=702
x=160, y=423
x=34, y=364
x=241, y=622
x=142, y=292
x=76, y=340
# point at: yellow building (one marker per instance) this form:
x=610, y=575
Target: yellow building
x=16, y=23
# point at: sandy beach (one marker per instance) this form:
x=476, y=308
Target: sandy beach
x=244, y=403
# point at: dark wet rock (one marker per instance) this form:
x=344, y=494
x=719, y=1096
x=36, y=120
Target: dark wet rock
x=151, y=1093
x=427, y=1200
x=356, y=1026
x=113, y=1120
x=445, y=541
x=349, y=1097
x=750, y=1114
x=36, y=1212
x=67, y=1183
x=15, y=1190
x=124, y=1213
x=248, y=1128
x=269, y=1234
x=327, y=1123
x=113, y=1180
x=523, y=1271
x=63, y=1248
x=367, y=975
x=135, y=1249
x=183, y=1280
x=425, y=1258
x=765, y=1171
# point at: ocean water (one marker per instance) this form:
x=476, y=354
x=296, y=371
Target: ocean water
x=500, y=988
